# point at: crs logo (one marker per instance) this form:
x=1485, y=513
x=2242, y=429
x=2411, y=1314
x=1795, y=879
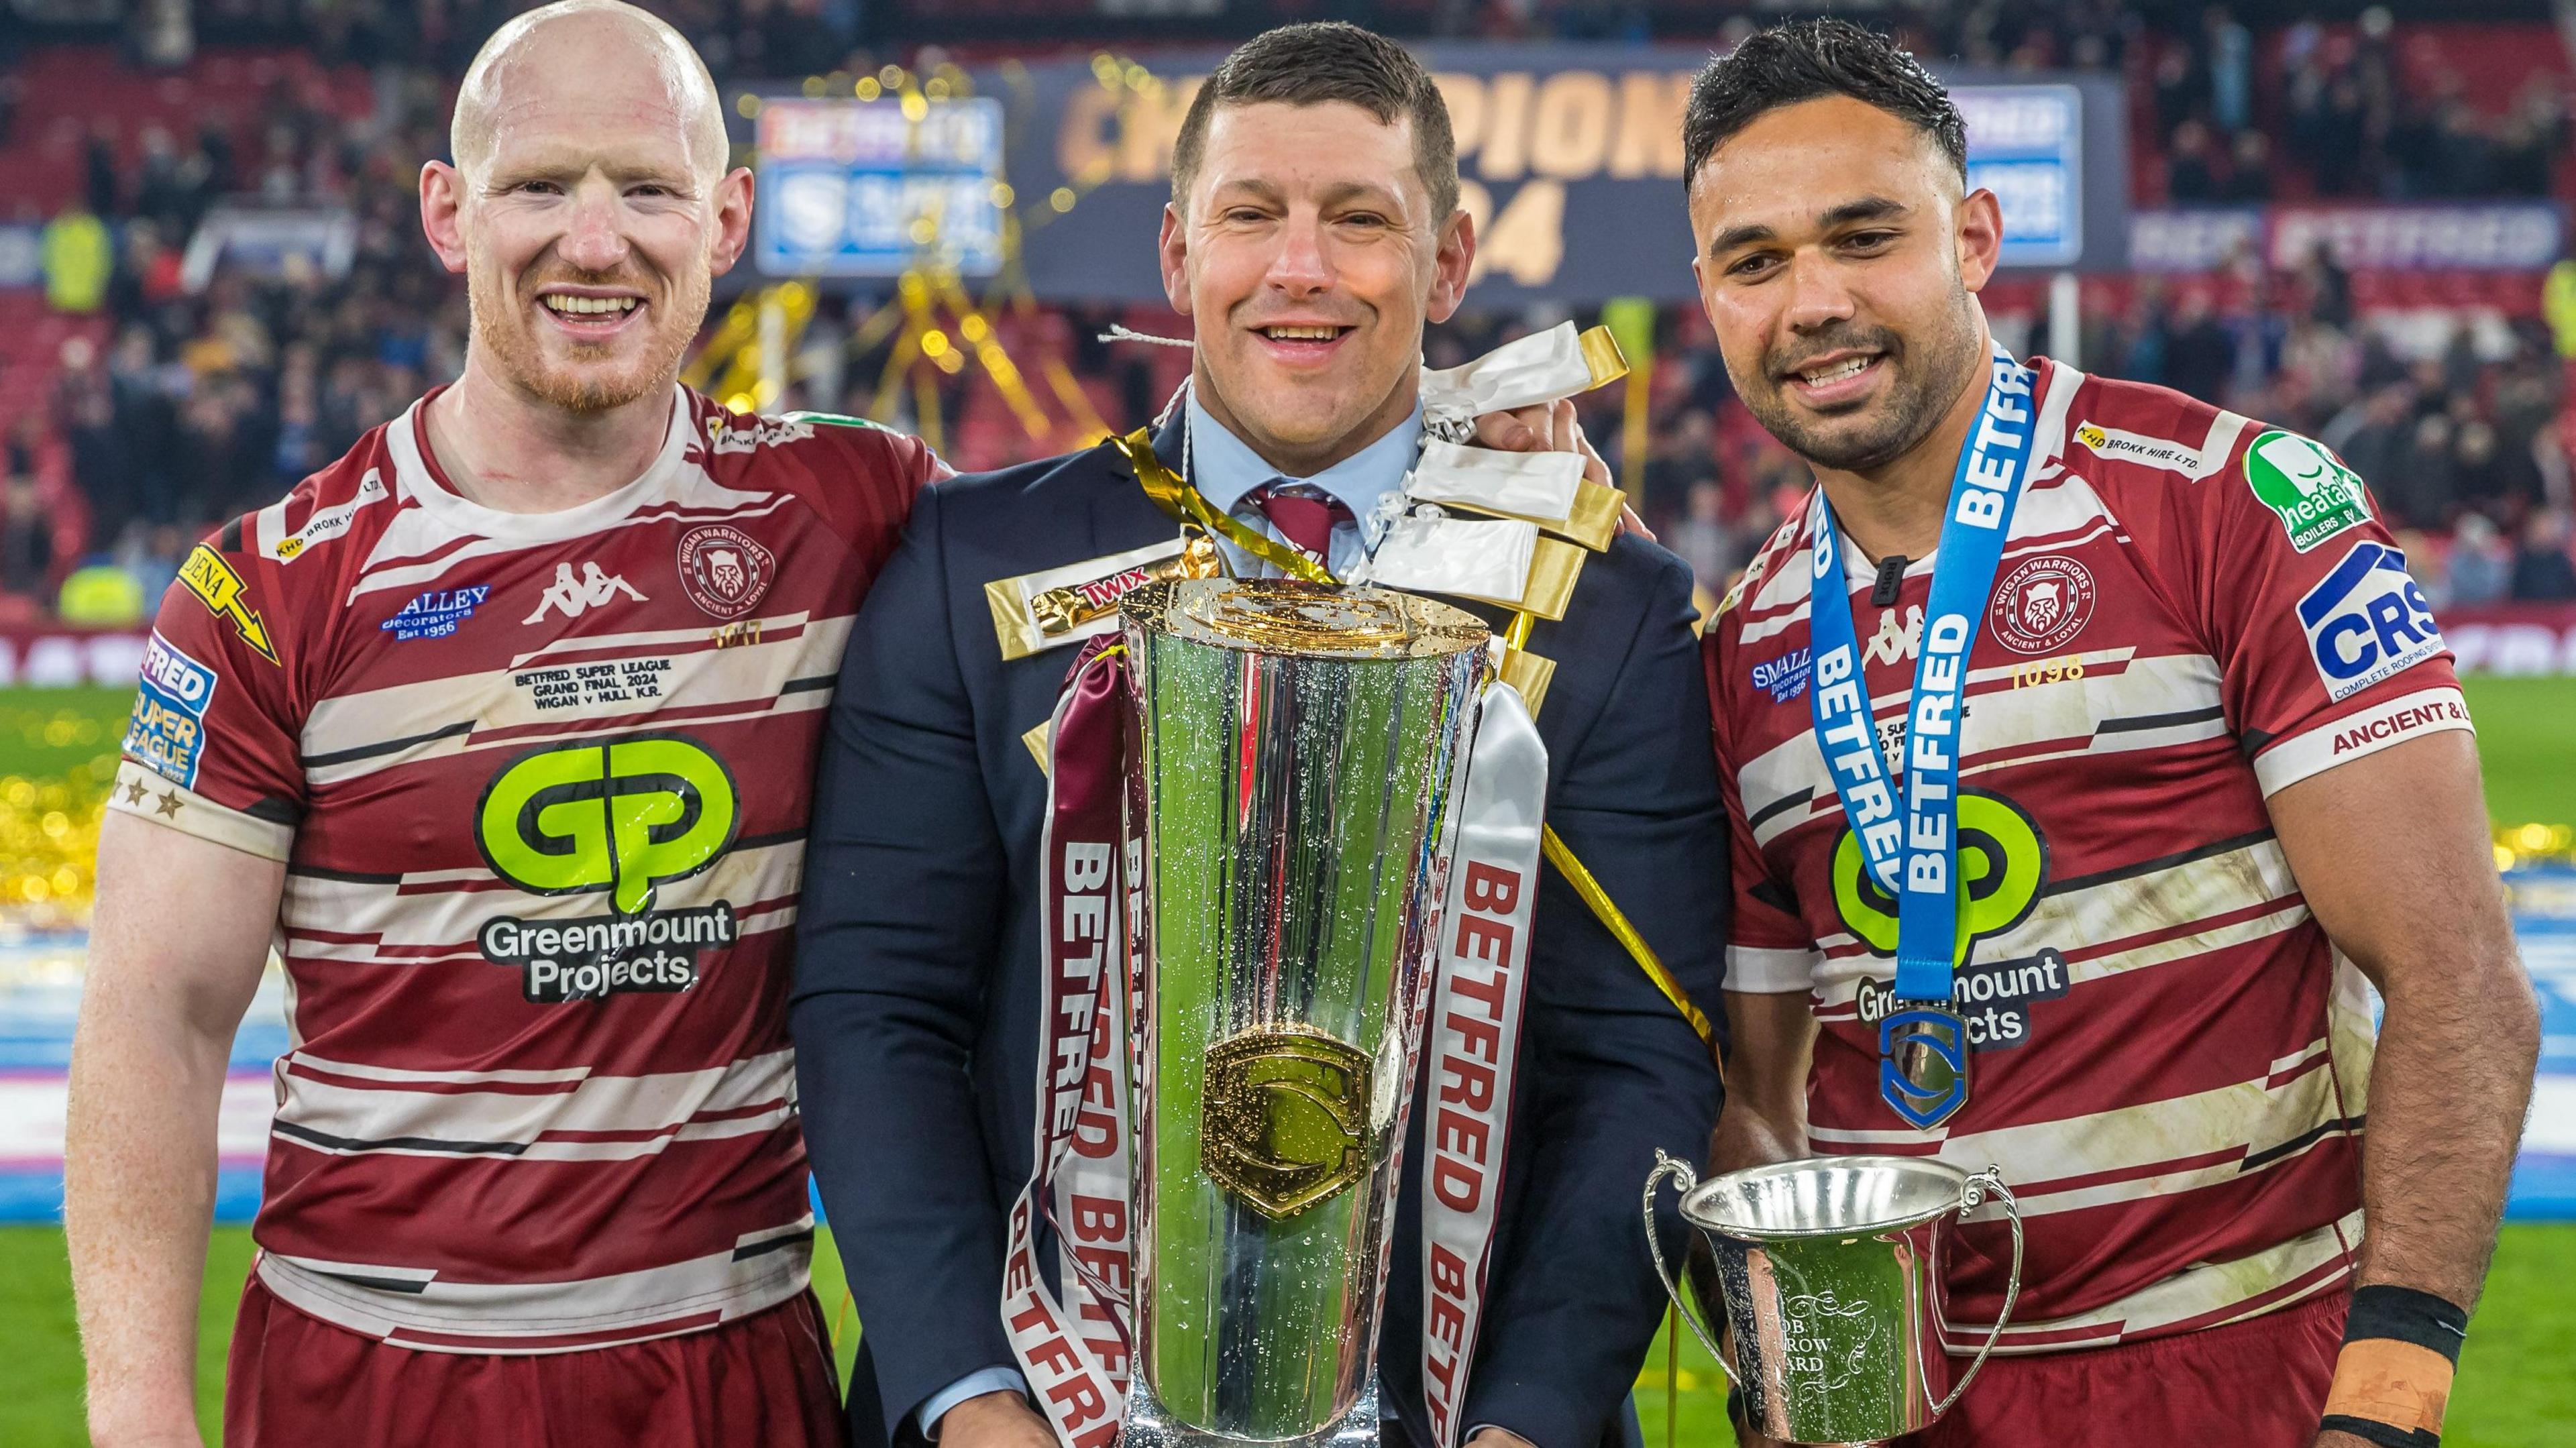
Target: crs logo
x=622, y=815
x=2367, y=620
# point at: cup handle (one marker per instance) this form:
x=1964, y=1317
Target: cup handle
x=1989, y=1182
x=1665, y=1166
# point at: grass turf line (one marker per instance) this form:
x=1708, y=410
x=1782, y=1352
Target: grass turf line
x=2514, y=1389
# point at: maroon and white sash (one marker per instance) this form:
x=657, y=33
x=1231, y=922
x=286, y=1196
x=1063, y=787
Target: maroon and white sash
x=1076, y=1350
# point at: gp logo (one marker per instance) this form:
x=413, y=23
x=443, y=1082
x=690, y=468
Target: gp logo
x=2003, y=865
x=621, y=815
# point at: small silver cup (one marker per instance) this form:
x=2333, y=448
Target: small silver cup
x=1832, y=1275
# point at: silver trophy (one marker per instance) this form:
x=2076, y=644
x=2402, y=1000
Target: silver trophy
x=1831, y=1273
x=1299, y=751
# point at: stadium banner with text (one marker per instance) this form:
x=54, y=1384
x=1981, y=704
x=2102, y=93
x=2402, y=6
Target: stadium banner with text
x=1570, y=157
x=57, y=656
x=2485, y=236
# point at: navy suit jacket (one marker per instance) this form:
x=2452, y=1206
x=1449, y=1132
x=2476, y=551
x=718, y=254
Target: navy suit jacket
x=916, y=998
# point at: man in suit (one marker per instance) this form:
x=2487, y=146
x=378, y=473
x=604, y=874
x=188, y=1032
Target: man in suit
x=1313, y=231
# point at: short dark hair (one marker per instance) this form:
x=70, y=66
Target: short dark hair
x=1803, y=60
x=1328, y=60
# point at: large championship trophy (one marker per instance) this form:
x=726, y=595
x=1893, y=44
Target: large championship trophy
x=1295, y=792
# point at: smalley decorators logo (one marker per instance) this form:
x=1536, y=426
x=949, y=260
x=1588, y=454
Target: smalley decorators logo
x=724, y=570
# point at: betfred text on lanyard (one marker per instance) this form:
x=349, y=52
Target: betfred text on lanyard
x=1912, y=850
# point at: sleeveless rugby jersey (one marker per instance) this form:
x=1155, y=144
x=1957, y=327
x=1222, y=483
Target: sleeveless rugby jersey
x=2193, y=612
x=540, y=783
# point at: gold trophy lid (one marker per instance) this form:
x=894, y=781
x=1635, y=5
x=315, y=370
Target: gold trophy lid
x=1313, y=620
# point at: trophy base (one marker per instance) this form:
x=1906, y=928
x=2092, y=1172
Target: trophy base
x=1150, y=1425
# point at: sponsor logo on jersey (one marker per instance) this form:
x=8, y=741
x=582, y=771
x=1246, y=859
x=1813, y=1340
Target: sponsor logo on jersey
x=2316, y=496
x=2374, y=731
x=1893, y=642
x=167, y=730
x=331, y=522
x=731, y=435
x=1785, y=676
x=437, y=613
x=724, y=570
x=2042, y=603
x=205, y=574
x=2367, y=620
x=596, y=956
x=575, y=596
x=2137, y=447
x=2003, y=863
x=625, y=816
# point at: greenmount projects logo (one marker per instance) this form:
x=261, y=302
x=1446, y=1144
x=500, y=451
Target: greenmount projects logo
x=2003, y=865
x=621, y=816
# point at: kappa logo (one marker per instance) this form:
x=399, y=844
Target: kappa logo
x=2367, y=620
x=2042, y=603
x=1892, y=642
x=573, y=597
x=724, y=570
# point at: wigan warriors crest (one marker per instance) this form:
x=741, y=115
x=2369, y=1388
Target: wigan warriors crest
x=2043, y=603
x=725, y=570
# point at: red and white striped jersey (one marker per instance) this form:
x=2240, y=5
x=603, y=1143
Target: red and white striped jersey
x=540, y=783
x=2192, y=612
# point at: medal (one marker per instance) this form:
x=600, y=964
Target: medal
x=1911, y=845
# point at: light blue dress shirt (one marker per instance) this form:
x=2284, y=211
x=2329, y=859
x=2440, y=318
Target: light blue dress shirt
x=1227, y=470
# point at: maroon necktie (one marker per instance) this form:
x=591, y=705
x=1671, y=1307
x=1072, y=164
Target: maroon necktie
x=1303, y=518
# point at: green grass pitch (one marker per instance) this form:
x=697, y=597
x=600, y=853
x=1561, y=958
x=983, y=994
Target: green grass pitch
x=2517, y=1388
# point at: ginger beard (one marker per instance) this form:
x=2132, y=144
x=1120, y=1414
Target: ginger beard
x=541, y=357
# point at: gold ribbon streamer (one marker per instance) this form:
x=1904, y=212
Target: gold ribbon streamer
x=1174, y=495
x=1608, y=913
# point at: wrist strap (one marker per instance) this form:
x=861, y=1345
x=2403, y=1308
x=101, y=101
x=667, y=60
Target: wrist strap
x=2392, y=1381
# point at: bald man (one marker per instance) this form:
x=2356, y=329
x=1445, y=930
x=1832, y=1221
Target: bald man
x=501, y=731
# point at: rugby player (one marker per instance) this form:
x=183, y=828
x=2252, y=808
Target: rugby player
x=501, y=729
x=2215, y=781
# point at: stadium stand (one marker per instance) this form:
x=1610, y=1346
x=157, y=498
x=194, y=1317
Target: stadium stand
x=148, y=389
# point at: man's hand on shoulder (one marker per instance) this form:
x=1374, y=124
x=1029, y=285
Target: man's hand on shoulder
x=995, y=1420
x=1553, y=427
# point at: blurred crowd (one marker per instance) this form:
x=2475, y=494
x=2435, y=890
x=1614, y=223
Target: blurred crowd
x=186, y=405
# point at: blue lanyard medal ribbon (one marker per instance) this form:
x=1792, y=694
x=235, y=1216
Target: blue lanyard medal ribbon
x=1912, y=849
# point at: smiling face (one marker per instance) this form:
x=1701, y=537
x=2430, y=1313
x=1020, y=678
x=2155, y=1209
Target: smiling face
x=1838, y=262
x=1307, y=256
x=590, y=210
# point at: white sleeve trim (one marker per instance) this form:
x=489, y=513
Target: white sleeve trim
x=147, y=796
x=1756, y=970
x=2344, y=739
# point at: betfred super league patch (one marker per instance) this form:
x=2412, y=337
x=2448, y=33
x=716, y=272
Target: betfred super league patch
x=167, y=731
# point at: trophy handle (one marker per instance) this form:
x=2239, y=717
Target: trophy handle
x=1989, y=1182
x=1665, y=1166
